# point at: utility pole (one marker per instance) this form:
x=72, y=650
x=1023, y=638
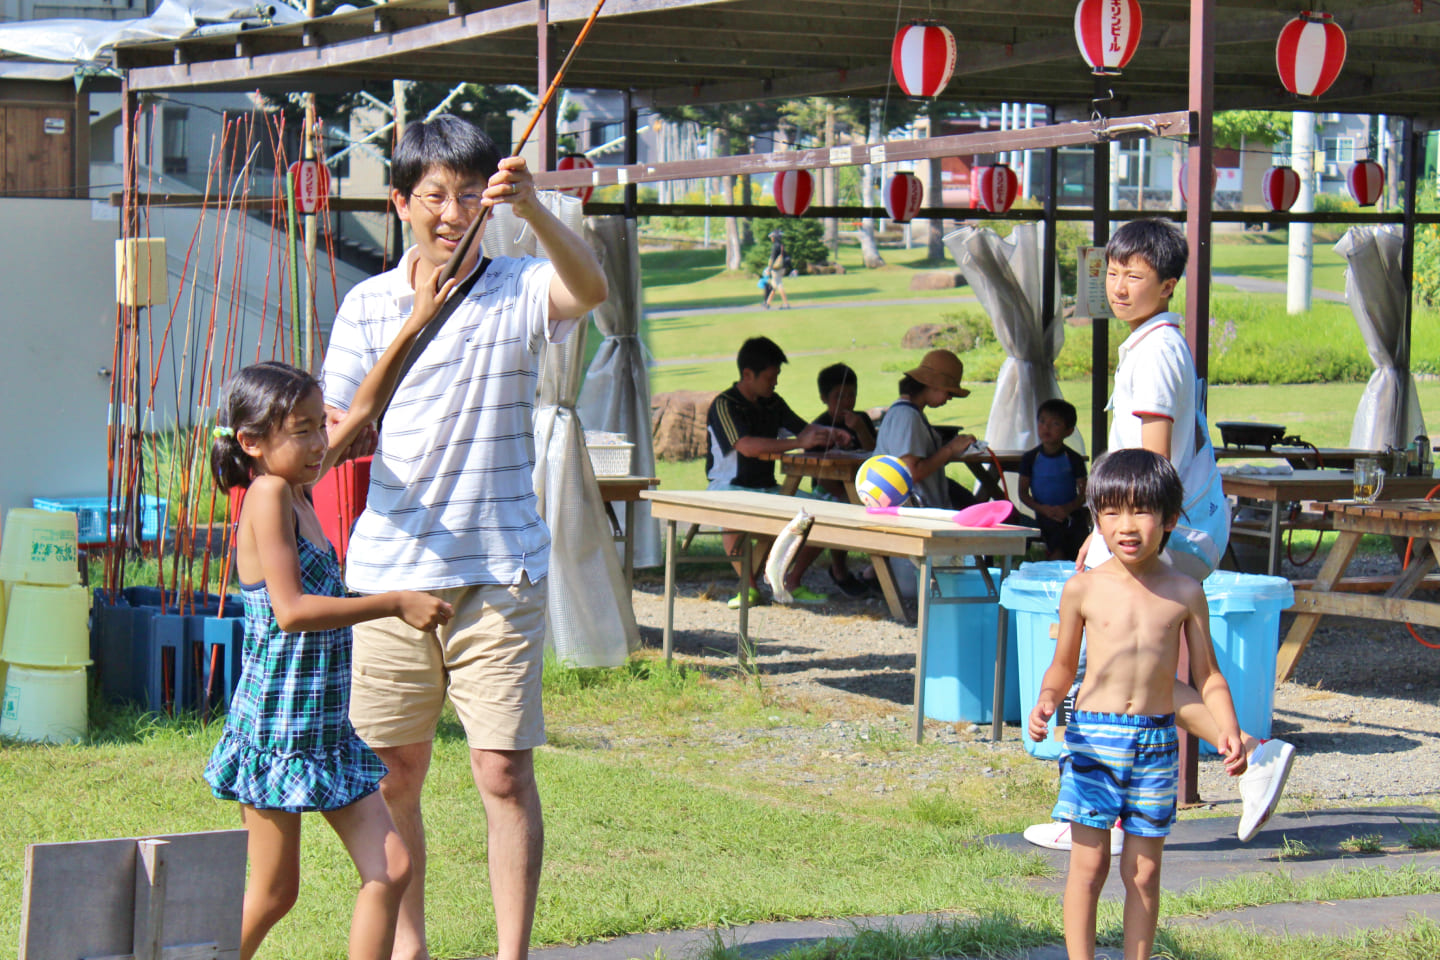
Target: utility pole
x=1302, y=161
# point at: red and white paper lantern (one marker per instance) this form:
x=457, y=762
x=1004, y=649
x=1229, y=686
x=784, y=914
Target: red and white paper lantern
x=1107, y=32
x=1280, y=187
x=923, y=57
x=1367, y=180
x=575, y=161
x=903, y=194
x=793, y=191
x=996, y=187
x=1309, y=53
x=1185, y=180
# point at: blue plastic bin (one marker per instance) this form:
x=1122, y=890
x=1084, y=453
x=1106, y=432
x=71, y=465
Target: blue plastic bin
x=1032, y=595
x=91, y=512
x=1244, y=629
x=960, y=653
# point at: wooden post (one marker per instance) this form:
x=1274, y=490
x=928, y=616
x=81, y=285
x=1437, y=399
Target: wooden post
x=1100, y=326
x=632, y=152
x=1201, y=175
x=1052, y=190
x=150, y=876
x=1413, y=146
x=1197, y=290
x=546, y=62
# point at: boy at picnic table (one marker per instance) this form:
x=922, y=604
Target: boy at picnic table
x=1052, y=482
x=1156, y=406
x=838, y=391
x=1121, y=757
x=745, y=422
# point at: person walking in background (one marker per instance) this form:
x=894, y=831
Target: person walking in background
x=779, y=266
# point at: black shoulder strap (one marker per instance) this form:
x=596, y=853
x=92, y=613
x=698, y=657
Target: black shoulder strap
x=431, y=329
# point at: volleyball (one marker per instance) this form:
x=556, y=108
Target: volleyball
x=883, y=481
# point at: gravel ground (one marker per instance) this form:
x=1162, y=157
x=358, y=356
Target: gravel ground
x=1361, y=709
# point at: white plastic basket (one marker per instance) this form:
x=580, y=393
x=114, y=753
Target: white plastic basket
x=610, y=459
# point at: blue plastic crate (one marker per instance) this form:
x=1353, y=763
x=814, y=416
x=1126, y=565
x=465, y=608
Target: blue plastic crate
x=90, y=514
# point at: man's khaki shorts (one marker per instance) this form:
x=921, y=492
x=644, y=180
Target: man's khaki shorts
x=488, y=659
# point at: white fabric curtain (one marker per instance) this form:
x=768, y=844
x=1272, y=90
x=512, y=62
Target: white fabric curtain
x=1005, y=275
x=1375, y=289
x=616, y=394
x=591, y=622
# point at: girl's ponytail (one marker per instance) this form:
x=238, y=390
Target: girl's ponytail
x=230, y=465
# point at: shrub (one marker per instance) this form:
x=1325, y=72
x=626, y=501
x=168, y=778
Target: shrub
x=1334, y=203
x=965, y=331
x=804, y=240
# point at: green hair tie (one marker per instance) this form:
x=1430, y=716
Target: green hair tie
x=219, y=432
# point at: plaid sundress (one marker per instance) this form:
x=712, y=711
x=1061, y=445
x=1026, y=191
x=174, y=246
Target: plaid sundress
x=288, y=744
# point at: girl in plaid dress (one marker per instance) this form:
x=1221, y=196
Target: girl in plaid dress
x=288, y=747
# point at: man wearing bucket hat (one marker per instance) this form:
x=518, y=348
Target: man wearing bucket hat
x=905, y=431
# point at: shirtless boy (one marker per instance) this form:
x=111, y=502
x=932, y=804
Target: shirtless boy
x=1121, y=755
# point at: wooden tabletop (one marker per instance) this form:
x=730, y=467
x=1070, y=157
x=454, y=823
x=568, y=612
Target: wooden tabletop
x=843, y=525
x=1318, y=485
x=1341, y=457
x=616, y=489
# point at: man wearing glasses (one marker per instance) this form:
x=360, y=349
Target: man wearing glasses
x=451, y=508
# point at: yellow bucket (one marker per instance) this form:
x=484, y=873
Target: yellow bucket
x=48, y=626
x=39, y=547
x=47, y=705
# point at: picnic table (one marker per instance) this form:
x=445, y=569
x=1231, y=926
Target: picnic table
x=1271, y=491
x=624, y=490
x=841, y=465
x=848, y=526
x=1419, y=519
x=1301, y=458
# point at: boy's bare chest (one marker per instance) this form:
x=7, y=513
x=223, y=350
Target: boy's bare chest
x=1132, y=615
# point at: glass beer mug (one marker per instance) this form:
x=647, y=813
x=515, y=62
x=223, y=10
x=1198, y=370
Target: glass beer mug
x=1369, y=480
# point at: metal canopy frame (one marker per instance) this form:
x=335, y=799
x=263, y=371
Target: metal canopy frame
x=1195, y=56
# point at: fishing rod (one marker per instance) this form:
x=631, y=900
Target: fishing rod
x=452, y=266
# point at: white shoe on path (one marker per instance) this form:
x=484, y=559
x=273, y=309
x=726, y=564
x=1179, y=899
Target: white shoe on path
x=1055, y=835
x=1261, y=785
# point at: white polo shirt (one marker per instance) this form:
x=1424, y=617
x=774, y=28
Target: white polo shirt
x=451, y=501
x=1156, y=377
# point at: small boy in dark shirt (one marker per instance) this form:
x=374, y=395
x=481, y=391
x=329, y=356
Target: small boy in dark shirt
x=1052, y=483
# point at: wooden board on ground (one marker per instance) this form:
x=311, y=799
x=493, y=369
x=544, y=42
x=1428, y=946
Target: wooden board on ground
x=90, y=899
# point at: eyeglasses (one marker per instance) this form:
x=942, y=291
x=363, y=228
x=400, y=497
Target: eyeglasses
x=437, y=202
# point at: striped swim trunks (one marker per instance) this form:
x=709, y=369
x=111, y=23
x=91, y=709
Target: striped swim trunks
x=1119, y=766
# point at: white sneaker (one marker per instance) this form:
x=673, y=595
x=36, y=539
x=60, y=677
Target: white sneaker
x=1055, y=835
x=1261, y=785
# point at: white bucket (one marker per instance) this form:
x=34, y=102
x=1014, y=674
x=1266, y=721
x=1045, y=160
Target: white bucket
x=47, y=626
x=46, y=705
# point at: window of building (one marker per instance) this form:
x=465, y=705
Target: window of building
x=605, y=131
x=1339, y=149
x=174, y=133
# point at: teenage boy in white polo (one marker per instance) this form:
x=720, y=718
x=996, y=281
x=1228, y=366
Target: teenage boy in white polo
x=1155, y=405
x=451, y=507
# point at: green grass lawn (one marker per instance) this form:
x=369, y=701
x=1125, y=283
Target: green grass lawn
x=1267, y=256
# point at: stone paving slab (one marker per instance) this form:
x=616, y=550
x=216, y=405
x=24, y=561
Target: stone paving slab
x=1203, y=849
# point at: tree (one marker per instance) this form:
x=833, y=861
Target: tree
x=734, y=124
x=1234, y=127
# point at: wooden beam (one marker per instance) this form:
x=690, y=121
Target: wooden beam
x=1199, y=176
x=965, y=144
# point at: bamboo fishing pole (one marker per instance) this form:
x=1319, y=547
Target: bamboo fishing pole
x=462, y=249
